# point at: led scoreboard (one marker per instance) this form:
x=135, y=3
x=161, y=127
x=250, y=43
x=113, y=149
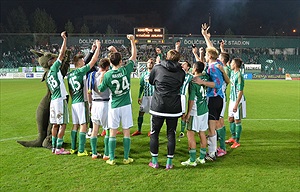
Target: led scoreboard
x=150, y=35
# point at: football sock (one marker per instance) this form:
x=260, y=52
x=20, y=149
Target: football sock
x=82, y=140
x=202, y=153
x=238, y=132
x=232, y=129
x=169, y=161
x=192, y=155
x=59, y=143
x=154, y=160
x=212, y=147
x=106, y=138
x=222, y=135
x=54, y=139
x=140, y=122
x=126, y=144
x=182, y=125
x=112, y=147
x=93, y=141
x=73, y=139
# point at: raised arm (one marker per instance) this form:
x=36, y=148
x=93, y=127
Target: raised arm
x=133, y=47
x=90, y=54
x=96, y=54
x=206, y=34
x=177, y=46
x=222, y=47
x=63, y=46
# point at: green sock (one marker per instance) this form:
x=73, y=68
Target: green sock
x=59, y=143
x=202, y=153
x=183, y=126
x=73, y=139
x=82, y=140
x=93, y=142
x=192, y=155
x=154, y=160
x=238, y=132
x=112, y=142
x=232, y=130
x=106, y=151
x=222, y=135
x=54, y=139
x=169, y=161
x=126, y=144
x=140, y=122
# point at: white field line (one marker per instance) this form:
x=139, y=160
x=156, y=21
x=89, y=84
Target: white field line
x=29, y=136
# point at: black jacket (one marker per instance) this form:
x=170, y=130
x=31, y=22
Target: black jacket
x=167, y=78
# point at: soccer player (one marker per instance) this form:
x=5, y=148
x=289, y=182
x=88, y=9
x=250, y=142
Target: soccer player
x=183, y=90
x=80, y=114
x=167, y=78
x=118, y=81
x=159, y=56
x=237, y=103
x=197, y=117
x=59, y=115
x=146, y=91
x=99, y=108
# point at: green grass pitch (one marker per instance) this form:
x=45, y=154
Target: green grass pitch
x=268, y=159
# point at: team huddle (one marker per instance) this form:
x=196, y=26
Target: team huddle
x=104, y=99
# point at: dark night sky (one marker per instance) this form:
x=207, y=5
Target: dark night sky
x=178, y=16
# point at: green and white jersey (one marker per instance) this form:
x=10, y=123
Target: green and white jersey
x=237, y=84
x=188, y=78
x=145, y=86
x=76, y=83
x=197, y=93
x=118, y=81
x=224, y=86
x=55, y=82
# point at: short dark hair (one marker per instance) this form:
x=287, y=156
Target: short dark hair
x=103, y=63
x=199, y=66
x=115, y=58
x=238, y=62
x=225, y=56
x=77, y=57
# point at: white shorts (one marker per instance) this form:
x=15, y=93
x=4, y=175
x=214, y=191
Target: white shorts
x=79, y=115
x=99, y=113
x=241, y=110
x=121, y=114
x=224, y=108
x=59, y=113
x=183, y=103
x=146, y=102
x=198, y=123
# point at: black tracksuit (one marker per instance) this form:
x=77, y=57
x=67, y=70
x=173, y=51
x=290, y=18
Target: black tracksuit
x=167, y=78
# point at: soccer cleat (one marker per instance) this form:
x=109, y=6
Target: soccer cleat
x=127, y=161
x=111, y=162
x=155, y=166
x=84, y=153
x=235, y=145
x=96, y=156
x=136, y=133
x=103, y=133
x=210, y=158
x=231, y=140
x=181, y=134
x=53, y=150
x=189, y=163
x=169, y=167
x=221, y=152
x=149, y=133
x=201, y=161
x=61, y=151
x=105, y=157
x=73, y=151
